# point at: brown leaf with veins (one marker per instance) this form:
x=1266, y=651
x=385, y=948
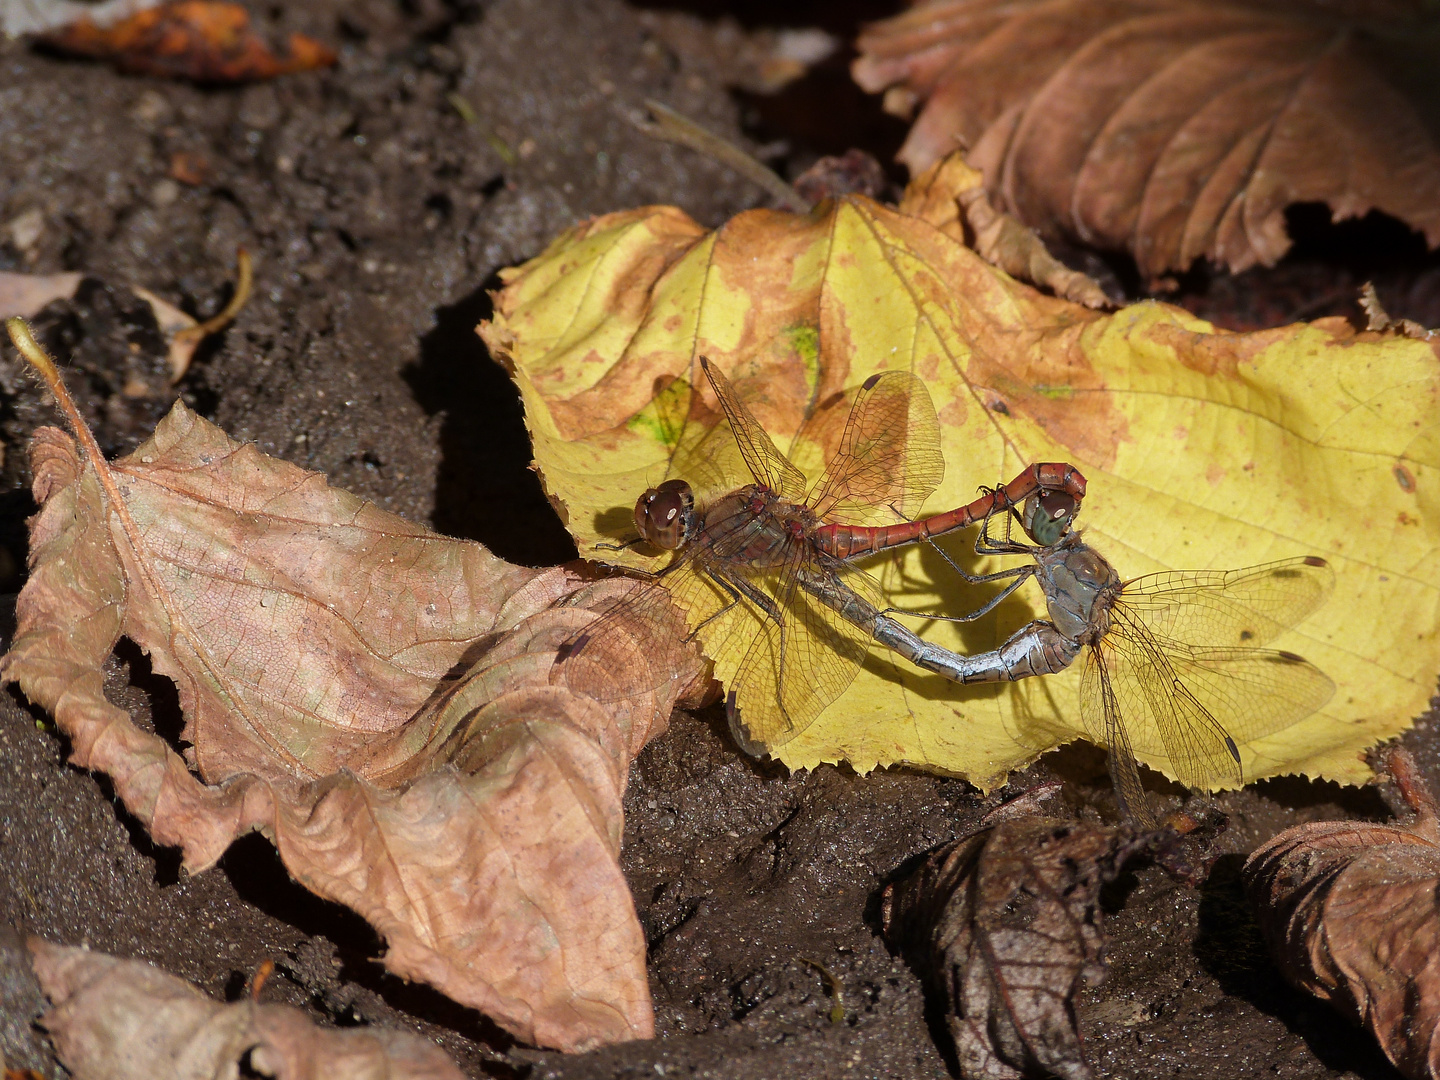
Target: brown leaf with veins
x=1177, y=129
x=116, y=1019
x=1004, y=925
x=372, y=696
x=1348, y=908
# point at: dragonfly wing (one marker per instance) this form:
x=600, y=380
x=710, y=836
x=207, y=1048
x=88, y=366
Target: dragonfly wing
x=1229, y=608
x=1101, y=715
x=711, y=462
x=1188, y=705
x=637, y=644
x=889, y=458
x=805, y=658
x=764, y=460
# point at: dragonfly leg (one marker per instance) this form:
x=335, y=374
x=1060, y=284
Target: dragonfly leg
x=1021, y=574
x=737, y=587
x=987, y=545
x=730, y=591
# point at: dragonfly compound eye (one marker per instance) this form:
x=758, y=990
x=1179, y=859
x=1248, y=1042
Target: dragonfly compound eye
x=1047, y=516
x=662, y=514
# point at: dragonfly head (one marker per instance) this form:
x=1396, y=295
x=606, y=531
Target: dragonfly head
x=663, y=514
x=1046, y=516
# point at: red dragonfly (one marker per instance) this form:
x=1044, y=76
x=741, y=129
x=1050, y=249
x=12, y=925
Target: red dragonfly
x=1173, y=669
x=762, y=572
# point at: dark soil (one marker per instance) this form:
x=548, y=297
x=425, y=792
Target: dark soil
x=379, y=217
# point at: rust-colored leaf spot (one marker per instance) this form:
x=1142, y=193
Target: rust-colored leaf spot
x=1171, y=128
x=205, y=41
x=1348, y=909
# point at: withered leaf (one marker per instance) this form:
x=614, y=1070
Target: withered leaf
x=119, y=1019
x=950, y=190
x=374, y=697
x=1004, y=925
x=205, y=41
x=1348, y=909
x=1173, y=128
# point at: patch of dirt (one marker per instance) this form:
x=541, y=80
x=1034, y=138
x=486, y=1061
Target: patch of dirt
x=379, y=215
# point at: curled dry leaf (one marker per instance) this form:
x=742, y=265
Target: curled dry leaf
x=25, y=295
x=1004, y=925
x=951, y=190
x=1377, y=318
x=206, y=41
x=372, y=696
x=1203, y=448
x=1174, y=128
x=116, y=1019
x=1348, y=909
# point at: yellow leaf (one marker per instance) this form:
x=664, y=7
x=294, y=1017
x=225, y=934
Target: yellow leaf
x=1203, y=448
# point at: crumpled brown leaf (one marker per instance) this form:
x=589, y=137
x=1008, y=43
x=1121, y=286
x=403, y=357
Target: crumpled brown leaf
x=1173, y=128
x=1004, y=924
x=951, y=196
x=119, y=1019
x=372, y=696
x=205, y=41
x=1348, y=909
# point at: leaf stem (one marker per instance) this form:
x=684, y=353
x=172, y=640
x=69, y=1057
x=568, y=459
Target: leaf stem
x=245, y=281
x=41, y=361
x=678, y=128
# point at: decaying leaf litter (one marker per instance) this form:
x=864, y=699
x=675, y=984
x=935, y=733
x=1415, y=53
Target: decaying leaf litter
x=697, y=919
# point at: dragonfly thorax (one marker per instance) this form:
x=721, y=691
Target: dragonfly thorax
x=1080, y=587
x=665, y=515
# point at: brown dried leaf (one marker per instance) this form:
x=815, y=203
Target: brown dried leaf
x=1348, y=908
x=950, y=189
x=372, y=696
x=119, y=1019
x=1174, y=128
x=206, y=41
x=1377, y=318
x=26, y=294
x=1005, y=926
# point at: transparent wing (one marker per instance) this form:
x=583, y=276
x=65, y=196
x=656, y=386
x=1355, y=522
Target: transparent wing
x=637, y=644
x=1101, y=715
x=764, y=460
x=1235, y=608
x=1189, y=704
x=711, y=462
x=889, y=458
x=804, y=659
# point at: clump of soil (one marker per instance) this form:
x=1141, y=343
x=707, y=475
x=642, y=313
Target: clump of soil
x=379, y=200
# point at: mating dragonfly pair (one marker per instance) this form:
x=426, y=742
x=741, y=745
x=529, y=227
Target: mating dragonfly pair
x=764, y=572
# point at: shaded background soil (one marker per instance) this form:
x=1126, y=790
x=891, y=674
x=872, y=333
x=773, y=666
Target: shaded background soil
x=379, y=215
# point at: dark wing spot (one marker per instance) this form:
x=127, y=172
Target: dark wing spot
x=1291, y=658
x=1315, y=560
x=1234, y=750
x=871, y=381
x=571, y=648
